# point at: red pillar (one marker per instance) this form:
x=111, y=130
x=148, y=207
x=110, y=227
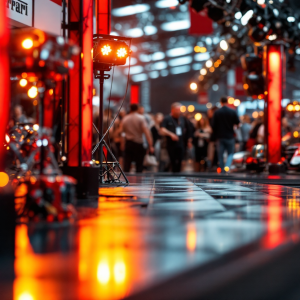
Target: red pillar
x=135, y=94
x=80, y=84
x=103, y=16
x=273, y=58
x=4, y=79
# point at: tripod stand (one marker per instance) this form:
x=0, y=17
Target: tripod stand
x=108, y=171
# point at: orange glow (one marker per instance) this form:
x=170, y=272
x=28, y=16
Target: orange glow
x=191, y=108
x=4, y=179
x=103, y=272
x=32, y=92
x=182, y=108
x=219, y=170
x=231, y=100
x=23, y=82
x=106, y=50
x=274, y=220
x=191, y=238
x=24, y=75
x=121, y=52
x=27, y=43
x=51, y=92
x=274, y=79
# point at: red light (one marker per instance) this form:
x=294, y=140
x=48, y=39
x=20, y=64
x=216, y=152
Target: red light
x=274, y=83
x=121, y=52
x=219, y=170
x=106, y=50
x=249, y=160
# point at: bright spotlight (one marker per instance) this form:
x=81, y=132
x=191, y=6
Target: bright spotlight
x=236, y=102
x=191, y=108
x=203, y=72
x=121, y=52
x=23, y=82
x=105, y=50
x=193, y=86
x=27, y=43
x=183, y=109
x=209, y=64
x=32, y=92
x=35, y=127
x=198, y=117
x=230, y=100
x=224, y=45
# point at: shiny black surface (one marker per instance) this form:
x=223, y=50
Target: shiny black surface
x=134, y=237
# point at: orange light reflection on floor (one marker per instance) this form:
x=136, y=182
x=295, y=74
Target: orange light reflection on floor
x=107, y=267
x=191, y=238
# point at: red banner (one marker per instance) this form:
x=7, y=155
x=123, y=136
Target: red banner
x=59, y=2
x=201, y=24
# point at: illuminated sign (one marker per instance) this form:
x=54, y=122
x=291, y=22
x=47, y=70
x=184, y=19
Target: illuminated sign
x=20, y=11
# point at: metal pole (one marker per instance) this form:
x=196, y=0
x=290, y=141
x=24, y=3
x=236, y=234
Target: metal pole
x=41, y=127
x=63, y=98
x=100, y=124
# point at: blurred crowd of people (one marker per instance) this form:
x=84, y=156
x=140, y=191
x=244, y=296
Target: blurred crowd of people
x=143, y=141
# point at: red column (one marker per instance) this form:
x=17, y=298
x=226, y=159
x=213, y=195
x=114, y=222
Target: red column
x=135, y=94
x=4, y=79
x=103, y=15
x=80, y=84
x=273, y=58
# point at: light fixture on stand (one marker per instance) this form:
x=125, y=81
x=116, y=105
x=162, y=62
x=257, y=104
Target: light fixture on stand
x=108, y=51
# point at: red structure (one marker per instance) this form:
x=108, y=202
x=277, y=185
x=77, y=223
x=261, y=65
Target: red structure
x=103, y=15
x=135, y=94
x=4, y=79
x=80, y=84
x=273, y=58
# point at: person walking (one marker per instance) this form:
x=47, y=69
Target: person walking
x=223, y=123
x=201, y=139
x=133, y=126
x=177, y=130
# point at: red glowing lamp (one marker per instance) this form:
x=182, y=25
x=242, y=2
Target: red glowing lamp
x=109, y=51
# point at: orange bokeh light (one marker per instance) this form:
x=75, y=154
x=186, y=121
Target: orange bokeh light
x=4, y=179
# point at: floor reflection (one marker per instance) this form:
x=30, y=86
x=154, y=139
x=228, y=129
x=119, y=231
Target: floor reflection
x=133, y=237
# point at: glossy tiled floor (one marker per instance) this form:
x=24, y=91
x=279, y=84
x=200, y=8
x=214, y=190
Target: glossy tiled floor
x=133, y=237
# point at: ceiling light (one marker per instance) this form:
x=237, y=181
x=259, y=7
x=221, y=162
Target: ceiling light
x=180, y=70
x=154, y=74
x=145, y=57
x=139, y=77
x=247, y=16
x=158, y=56
x=201, y=56
x=180, y=61
x=166, y=3
x=209, y=64
x=238, y=15
x=179, y=51
x=130, y=10
x=224, y=45
x=150, y=30
x=291, y=19
x=176, y=25
x=135, y=70
x=197, y=66
x=203, y=72
x=159, y=65
x=193, y=86
x=135, y=32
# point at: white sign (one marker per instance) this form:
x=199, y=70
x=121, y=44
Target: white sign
x=20, y=11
